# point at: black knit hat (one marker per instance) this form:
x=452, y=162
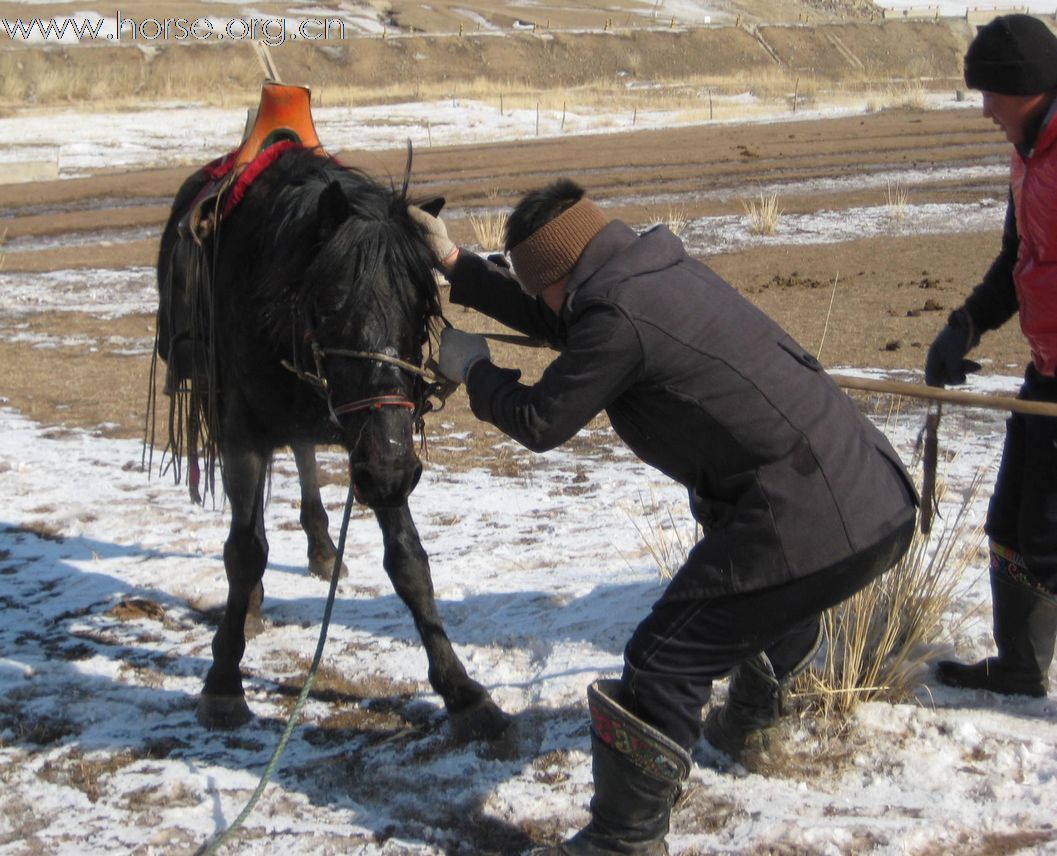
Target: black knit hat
x=1013, y=55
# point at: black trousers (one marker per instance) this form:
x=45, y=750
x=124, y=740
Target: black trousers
x=1022, y=514
x=684, y=645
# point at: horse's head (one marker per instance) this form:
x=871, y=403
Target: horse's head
x=368, y=298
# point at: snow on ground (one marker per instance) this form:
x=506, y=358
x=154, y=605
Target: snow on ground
x=79, y=141
x=540, y=577
x=108, y=579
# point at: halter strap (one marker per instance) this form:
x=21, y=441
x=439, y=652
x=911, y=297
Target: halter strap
x=376, y=402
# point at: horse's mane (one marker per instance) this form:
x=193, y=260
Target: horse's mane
x=374, y=260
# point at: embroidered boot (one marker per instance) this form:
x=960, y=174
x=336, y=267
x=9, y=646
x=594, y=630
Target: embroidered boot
x=1025, y=625
x=638, y=773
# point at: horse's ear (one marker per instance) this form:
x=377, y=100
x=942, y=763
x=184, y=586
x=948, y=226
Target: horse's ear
x=333, y=208
x=433, y=206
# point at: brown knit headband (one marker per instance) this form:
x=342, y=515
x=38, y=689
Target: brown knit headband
x=550, y=252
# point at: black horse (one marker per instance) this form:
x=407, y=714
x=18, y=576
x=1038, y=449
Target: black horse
x=264, y=321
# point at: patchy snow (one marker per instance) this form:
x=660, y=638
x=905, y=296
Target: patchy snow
x=108, y=577
x=710, y=235
x=79, y=142
x=540, y=578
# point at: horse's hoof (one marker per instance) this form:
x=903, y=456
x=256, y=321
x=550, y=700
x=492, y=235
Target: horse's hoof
x=481, y=721
x=322, y=568
x=223, y=712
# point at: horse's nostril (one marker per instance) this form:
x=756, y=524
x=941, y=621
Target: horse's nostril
x=362, y=481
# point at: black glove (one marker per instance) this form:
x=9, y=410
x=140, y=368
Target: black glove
x=946, y=364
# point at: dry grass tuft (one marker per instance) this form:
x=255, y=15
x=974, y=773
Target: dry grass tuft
x=897, y=198
x=763, y=215
x=881, y=639
x=676, y=219
x=668, y=542
x=489, y=228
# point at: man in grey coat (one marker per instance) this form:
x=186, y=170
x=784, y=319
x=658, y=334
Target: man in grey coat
x=801, y=499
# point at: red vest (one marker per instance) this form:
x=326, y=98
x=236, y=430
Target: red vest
x=1034, y=184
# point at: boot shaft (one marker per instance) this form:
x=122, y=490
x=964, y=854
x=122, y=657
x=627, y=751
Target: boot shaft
x=1024, y=625
x=1024, y=618
x=645, y=747
x=638, y=773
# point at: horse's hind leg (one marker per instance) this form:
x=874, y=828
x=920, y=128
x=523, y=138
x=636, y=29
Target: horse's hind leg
x=321, y=549
x=222, y=703
x=473, y=713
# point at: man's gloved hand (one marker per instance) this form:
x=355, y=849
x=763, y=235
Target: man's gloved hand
x=437, y=234
x=946, y=363
x=458, y=353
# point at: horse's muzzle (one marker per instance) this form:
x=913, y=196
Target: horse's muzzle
x=385, y=486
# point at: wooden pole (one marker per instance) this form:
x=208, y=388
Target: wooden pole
x=888, y=387
x=932, y=393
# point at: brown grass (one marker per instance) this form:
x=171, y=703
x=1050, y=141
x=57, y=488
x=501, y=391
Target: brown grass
x=763, y=213
x=897, y=197
x=667, y=541
x=881, y=639
x=85, y=773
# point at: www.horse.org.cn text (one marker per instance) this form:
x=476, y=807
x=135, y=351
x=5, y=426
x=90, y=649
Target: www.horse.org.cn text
x=273, y=32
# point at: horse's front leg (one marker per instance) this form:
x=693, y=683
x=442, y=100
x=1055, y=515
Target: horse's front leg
x=473, y=713
x=223, y=703
x=321, y=549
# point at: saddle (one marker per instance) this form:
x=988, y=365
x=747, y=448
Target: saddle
x=282, y=120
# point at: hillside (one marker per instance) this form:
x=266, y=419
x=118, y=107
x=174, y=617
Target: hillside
x=644, y=58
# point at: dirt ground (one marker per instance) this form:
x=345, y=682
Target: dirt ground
x=891, y=297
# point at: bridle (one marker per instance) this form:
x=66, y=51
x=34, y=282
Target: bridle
x=435, y=387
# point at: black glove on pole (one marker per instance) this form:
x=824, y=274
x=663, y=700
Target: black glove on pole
x=945, y=364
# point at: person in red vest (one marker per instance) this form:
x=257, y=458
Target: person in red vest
x=1013, y=62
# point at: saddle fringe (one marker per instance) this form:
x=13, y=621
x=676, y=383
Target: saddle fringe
x=193, y=418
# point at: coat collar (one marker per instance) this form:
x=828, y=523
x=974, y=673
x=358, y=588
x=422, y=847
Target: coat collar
x=1044, y=135
x=633, y=253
